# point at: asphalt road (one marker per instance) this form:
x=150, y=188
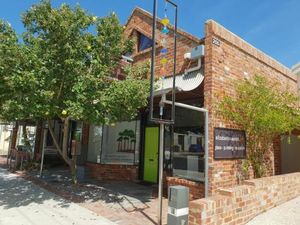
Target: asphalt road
x=24, y=203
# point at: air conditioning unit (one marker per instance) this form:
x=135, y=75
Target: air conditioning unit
x=195, y=53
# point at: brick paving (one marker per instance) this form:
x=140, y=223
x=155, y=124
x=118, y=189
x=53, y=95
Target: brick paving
x=121, y=202
x=24, y=203
x=3, y=161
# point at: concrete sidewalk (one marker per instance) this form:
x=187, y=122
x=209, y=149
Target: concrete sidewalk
x=285, y=214
x=23, y=203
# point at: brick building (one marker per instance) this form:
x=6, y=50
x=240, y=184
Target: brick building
x=129, y=149
x=226, y=58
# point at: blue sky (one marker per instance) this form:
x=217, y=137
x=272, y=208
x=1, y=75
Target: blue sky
x=270, y=25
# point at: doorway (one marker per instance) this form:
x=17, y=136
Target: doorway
x=290, y=154
x=151, y=154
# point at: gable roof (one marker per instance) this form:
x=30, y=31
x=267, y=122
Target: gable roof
x=179, y=31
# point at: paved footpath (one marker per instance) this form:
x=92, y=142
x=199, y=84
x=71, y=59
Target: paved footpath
x=24, y=203
x=285, y=214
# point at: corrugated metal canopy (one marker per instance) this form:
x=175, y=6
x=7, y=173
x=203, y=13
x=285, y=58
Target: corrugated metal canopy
x=183, y=82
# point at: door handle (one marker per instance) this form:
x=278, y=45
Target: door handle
x=151, y=160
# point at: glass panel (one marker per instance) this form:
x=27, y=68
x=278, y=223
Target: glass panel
x=94, y=146
x=121, y=143
x=21, y=143
x=188, y=149
x=144, y=42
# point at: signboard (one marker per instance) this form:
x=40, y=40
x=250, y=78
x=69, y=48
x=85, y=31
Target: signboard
x=229, y=144
x=216, y=41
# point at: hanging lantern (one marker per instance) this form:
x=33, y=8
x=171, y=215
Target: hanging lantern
x=164, y=42
x=163, y=61
x=164, y=51
x=165, y=21
x=165, y=30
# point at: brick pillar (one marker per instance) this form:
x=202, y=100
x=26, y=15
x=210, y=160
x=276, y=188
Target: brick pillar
x=208, y=84
x=277, y=155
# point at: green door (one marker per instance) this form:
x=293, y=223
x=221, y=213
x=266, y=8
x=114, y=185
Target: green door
x=151, y=154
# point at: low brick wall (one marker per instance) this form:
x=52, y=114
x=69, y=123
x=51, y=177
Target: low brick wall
x=196, y=188
x=240, y=204
x=112, y=172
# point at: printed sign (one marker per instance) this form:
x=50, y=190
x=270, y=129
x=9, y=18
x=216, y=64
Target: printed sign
x=229, y=144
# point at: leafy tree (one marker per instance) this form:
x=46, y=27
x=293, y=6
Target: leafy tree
x=69, y=75
x=12, y=57
x=264, y=111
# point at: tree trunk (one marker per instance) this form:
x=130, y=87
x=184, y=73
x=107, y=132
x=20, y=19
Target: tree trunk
x=64, y=150
x=73, y=168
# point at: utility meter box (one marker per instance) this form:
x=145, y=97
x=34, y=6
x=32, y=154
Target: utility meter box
x=178, y=208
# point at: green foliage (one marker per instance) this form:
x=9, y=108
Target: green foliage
x=65, y=67
x=264, y=111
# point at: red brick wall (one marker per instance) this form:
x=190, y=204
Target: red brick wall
x=141, y=21
x=234, y=59
x=196, y=189
x=112, y=172
x=240, y=204
x=277, y=155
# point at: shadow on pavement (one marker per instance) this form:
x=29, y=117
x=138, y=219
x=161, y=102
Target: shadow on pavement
x=15, y=192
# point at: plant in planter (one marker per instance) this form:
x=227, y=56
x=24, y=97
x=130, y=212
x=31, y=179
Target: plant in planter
x=264, y=111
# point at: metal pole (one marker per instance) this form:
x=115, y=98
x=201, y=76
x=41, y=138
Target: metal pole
x=174, y=63
x=206, y=154
x=186, y=106
x=9, y=147
x=43, y=151
x=160, y=169
x=153, y=57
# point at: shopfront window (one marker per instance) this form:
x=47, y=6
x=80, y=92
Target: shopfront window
x=188, y=145
x=121, y=143
x=118, y=144
x=94, y=147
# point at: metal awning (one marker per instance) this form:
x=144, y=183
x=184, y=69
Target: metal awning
x=183, y=82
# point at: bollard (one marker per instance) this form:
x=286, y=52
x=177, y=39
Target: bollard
x=178, y=207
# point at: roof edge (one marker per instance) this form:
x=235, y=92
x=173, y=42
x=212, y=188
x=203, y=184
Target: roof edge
x=252, y=50
x=179, y=30
x=296, y=69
